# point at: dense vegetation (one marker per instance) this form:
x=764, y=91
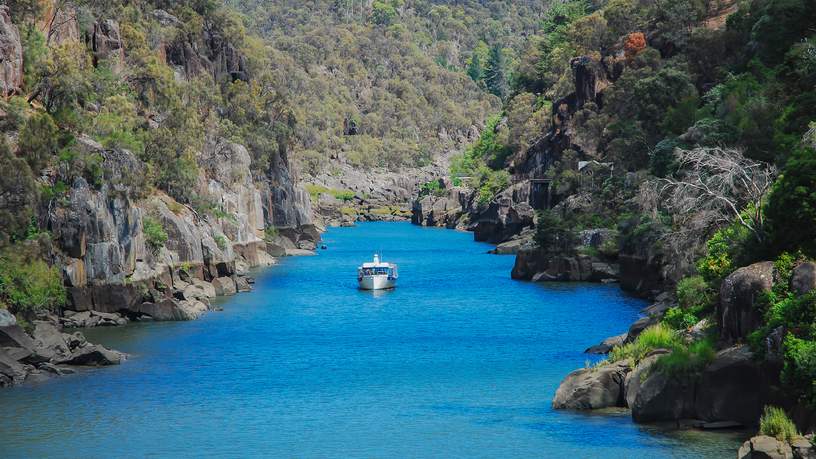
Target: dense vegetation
x=715, y=94
x=390, y=83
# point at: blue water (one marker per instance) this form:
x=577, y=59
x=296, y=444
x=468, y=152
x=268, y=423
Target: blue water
x=458, y=361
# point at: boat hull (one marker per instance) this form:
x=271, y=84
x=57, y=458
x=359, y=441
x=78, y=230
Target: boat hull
x=377, y=282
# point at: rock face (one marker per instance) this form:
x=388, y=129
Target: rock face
x=106, y=42
x=11, y=55
x=109, y=266
x=737, y=313
x=538, y=265
x=593, y=388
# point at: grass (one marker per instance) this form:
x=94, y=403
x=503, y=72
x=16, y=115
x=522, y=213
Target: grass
x=657, y=336
x=684, y=359
x=316, y=190
x=776, y=423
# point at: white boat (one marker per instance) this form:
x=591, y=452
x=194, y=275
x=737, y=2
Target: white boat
x=377, y=275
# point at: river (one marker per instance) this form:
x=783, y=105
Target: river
x=458, y=361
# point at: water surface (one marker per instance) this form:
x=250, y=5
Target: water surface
x=458, y=361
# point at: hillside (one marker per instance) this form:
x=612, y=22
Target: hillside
x=668, y=146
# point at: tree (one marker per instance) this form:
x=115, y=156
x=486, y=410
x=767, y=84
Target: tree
x=383, y=13
x=791, y=209
x=18, y=194
x=715, y=187
x=496, y=74
x=39, y=140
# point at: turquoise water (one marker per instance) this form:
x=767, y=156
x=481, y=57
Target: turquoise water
x=458, y=361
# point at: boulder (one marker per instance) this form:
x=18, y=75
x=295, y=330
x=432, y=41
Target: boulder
x=765, y=447
x=11, y=371
x=241, y=284
x=606, y=345
x=167, y=310
x=803, y=448
x=49, y=341
x=662, y=397
x=11, y=55
x=593, y=388
x=634, y=379
x=14, y=336
x=224, y=286
x=735, y=387
x=641, y=324
x=803, y=279
x=738, y=313
x=7, y=319
x=199, y=290
x=93, y=355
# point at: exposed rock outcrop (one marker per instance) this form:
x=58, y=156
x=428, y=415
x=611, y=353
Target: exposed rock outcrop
x=48, y=351
x=11, y=55
x=765, y=447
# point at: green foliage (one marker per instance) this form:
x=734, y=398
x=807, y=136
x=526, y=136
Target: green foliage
x=28, y=285
x=39, y=140
x=553, y=234
x=680, y=319
x=19, y=195
x=657, y=336
x=723, y=252
x=686, y=360
x=221, y=241
x=270, y=233
x=693, y=292
x=799, y=371
x=489, y=183
x=433, y=188
x=776, y=423
x=154, y=232
x=791, y=208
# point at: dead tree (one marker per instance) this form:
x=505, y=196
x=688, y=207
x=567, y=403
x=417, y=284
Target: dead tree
x=714, y=187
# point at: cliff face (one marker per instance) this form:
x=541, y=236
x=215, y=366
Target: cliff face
x=109, y=264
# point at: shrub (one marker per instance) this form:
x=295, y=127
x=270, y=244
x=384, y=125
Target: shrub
x=155, y=236
x=775, y=423
x=680, y=319
x=685, y=360
x=270, y=233
x=28, y=285
x=799, y=371
x=553, y=234
x=693, y=292
x=221, y=241
x=657, y=336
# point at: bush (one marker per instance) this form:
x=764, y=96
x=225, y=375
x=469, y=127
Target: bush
x=155, y=236
x=270, y=233
x=680, y=319
x=799, y=371
x=28, y=285
x=221, y=241
x=685, y=360
x=658, y=336
x=693, y=292
x=776, y=423
x=553, y=234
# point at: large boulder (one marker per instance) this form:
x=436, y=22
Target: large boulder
x=735, y=387
x=224, y=286
x=636, y=377
x=803, y=279
x=662, y=397
x=593, y=388
x=170, y=309
x=738, y=313
x=11, y=55
x=93, y=355
x=765, y=447
x=49, y=341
